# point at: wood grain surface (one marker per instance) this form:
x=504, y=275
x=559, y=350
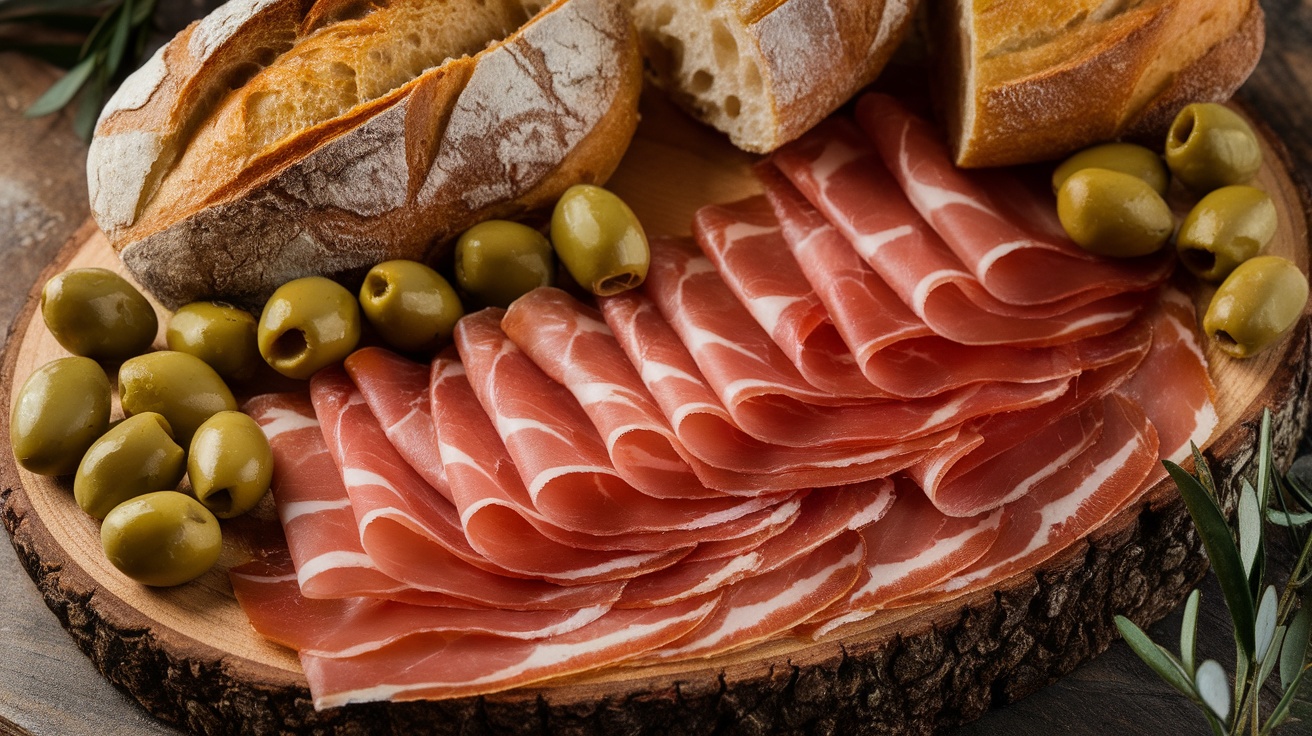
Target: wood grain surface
x=48, y=686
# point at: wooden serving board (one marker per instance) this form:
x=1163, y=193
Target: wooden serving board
x=190, y=657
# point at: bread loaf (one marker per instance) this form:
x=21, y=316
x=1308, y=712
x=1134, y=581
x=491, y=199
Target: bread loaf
x=1021, y=82
x=766, y=71
x=280, y=138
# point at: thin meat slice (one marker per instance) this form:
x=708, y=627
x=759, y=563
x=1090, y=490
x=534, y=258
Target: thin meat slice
x=838, y=170
x=408, y=529
x=435, y=666
x=762, y=606
x=560, y=457
x=345, y=627
x=1001, y=251
x=1065, y=506
x=744, y=242
x=315, y=510
x=826, y=513
x=911, y=548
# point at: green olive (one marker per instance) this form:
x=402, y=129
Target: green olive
x=163, y=538
x=98, y=314
x=219, y=334
x=1126, y=158
x=410, y=305
x=599, y=240
x=62, y=408
x=1261, y=299
x=1210, y=146
x=499, y=261
x=138, y=456
x=229, y=464
x=1226, y=228
x=1113, y=214
x=180, y=386
x=307, y=324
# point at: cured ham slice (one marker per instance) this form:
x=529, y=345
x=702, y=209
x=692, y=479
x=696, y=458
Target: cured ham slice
x=911, y=548
x=435, y=666
x=826, y=513
x=408, y=529
x=1066, y=506
x=345, y=627
x=315, y=510
x=1002, y=252
x=840, y=173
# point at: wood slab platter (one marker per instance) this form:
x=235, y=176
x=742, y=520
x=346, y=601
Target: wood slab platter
x=189, y=656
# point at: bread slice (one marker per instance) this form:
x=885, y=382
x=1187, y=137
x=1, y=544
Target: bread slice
x=281, y=138
x=1021, y=82
x=766, y=71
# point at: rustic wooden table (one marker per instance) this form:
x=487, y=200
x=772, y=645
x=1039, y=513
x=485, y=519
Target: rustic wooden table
x=47, y=686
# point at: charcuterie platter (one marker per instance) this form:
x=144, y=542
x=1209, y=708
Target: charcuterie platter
x=189, y=655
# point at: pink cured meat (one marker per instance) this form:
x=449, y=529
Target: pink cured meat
x=765, y=394
x=406, y=527
x=765, y=605
x=826, y=513
x=397, y=392
x=315, y=510
x=743, y=241
x=483, y=477
x=897, y=352
x=562, y=461
x=911, y=548
x=840, y=173
x=345, y=627
x=706, y=428
x=571, y=344
x=1001, y=252
x=1065, y=506
x=436, y=666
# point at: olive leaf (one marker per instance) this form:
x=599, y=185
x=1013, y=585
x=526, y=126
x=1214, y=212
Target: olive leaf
x=1189, y=633
x=1213, y=688
x=1293, y=654
x=1264, y=627
x=1156, y=657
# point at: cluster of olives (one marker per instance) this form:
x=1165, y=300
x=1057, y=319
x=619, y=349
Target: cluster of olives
x=1111, y=200
x=181, y=419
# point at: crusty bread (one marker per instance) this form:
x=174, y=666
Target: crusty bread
x=766, y=71
x=280, y=138
x=1021, y=82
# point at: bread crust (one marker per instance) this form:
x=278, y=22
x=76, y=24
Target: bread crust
x=1123, y=76
x=495, y=134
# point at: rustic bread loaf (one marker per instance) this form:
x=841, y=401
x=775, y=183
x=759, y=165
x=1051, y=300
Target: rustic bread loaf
x=1022, y=82
x=280, y=138
x=766, y=71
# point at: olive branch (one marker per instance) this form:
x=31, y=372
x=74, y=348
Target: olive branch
x=97, y=41
x=1272, y=626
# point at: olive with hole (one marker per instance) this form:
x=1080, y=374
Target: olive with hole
x=1210, y=146
x=61, y=409
x=219, y=334
x=410, y=305
x=499, y=261
x=229, y=464
x=161, y=539
x=599, y=240
x=1260, y=300
x=307, y=324
x=180, y=386
x=96, y=313
x=1126, y=158
x=138, y=456
x=1113, y=214
x=1226, y=228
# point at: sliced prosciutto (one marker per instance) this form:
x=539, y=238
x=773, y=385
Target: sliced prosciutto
x=1000, y=249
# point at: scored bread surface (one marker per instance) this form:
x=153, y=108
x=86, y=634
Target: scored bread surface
x=290, y=138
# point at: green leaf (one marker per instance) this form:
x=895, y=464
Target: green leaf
x=142, y=13
x=1155, y=657
x=1264, y=626
x=1202, y=470
x=1269, y=664
x=1288, y=518
x=1221, y=552
x=1250, y=528
x=1293, y=654
x=63, y=90
x=1213, y=688
x=1189, y=632
x=1289, y=704
x=118, y=44
x=88, y=108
